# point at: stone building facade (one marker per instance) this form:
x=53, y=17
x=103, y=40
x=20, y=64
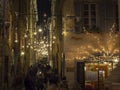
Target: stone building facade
x=92, y=15
x=18, y=18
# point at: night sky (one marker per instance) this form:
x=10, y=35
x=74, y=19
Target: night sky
x=44, y=6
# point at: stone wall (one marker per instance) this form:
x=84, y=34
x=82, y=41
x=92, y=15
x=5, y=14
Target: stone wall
x=115, y=86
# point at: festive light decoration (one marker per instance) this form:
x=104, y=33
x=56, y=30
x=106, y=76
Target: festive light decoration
x=39, y=30
x=40, y=43
x=92, y=46
x=22, y=53
x=16, y=37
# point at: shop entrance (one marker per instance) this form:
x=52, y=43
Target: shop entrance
x=92, y=74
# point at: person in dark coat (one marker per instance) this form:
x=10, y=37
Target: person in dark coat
x=29, y=83
x=40, y=82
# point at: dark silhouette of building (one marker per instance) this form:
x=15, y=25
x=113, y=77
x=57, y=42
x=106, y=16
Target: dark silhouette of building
x=44, y=10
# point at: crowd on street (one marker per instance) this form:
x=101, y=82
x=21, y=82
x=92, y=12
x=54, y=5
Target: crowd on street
x=42, y=77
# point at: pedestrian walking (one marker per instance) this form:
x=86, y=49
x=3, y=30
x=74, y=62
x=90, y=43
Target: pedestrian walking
x=29, y=83
x=40, y=82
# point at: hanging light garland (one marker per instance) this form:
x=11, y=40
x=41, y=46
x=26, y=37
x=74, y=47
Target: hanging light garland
x=105, y=44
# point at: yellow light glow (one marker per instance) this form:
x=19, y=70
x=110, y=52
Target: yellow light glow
x=39, y=30
x=116, y=60
x=89, y=45
x=22, y=46
x=22, y=53
x=16, y=41
x=25, y=36
x=64, y=33
x=35, y=33
x=54, y=37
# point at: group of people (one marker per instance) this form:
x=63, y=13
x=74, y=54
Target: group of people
x=37, y=77
x=43, y=77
